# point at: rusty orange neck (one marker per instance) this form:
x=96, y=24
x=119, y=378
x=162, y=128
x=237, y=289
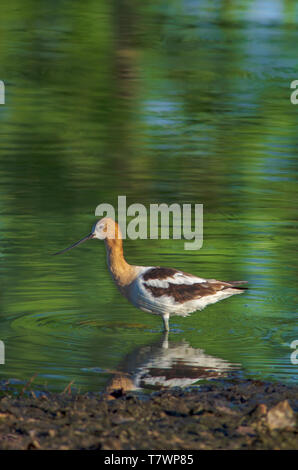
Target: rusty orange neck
x=122, y=272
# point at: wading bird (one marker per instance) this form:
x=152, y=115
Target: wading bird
x=161, y=291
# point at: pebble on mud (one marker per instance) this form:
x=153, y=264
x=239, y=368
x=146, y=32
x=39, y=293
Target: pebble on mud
x=281, y=416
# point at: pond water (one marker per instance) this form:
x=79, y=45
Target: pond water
x=174, y=102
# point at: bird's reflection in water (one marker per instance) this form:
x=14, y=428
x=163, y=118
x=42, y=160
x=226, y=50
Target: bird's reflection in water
x=166, y=364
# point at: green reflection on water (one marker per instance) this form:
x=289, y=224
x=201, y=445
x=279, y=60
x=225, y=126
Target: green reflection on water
x=160, y=103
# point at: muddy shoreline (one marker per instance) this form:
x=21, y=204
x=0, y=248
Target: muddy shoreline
x=236, y=414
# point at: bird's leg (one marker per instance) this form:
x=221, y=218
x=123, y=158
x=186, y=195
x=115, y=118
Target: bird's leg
x=165, y=340
x=165, y=318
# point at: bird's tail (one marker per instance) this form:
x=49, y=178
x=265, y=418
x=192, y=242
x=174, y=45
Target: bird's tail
x=237, y=284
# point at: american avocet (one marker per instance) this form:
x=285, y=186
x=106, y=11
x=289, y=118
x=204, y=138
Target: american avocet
x=161, y=291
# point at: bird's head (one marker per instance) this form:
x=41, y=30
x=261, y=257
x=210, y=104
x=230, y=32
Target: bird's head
x=103, y=229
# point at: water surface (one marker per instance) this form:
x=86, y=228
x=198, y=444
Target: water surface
x=182, y=102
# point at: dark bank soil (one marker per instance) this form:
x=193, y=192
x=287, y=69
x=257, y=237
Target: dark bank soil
x=241, y=414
